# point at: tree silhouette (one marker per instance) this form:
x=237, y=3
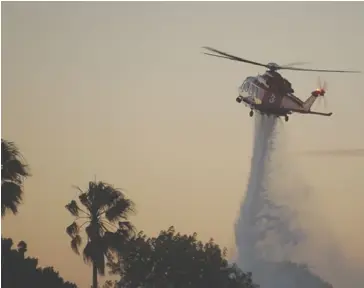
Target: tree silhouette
x=103, y=207
x=22, y=248
x=18, y=271
x=13, y=172
x=175, y=260
x=109, y=284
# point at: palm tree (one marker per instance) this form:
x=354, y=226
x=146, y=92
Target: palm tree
x=103, y=207
x=13, y=172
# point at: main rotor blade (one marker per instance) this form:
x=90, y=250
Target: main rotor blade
x=319, y=70
x=218, y=56
x=294, y=64
x=232, y=57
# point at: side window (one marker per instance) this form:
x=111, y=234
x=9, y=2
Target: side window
x=246, y=86
x=253, y=90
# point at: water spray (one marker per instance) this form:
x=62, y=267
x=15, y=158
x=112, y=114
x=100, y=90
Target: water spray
x=265, y=236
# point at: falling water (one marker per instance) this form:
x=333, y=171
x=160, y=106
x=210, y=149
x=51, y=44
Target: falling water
x=266, y=234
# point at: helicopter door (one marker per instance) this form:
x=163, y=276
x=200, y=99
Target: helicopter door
x=259, y=93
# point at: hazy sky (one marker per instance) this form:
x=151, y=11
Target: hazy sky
x=122, y=91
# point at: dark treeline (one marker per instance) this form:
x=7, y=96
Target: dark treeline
x=175, y=260
x=21, y=271
x=170, y=260
x=109, y=242
x=17, y=270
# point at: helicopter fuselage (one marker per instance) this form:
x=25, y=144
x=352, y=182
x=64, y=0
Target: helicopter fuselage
x=273, y=98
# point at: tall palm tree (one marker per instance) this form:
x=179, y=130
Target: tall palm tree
x=13, y=173
x=103, y=207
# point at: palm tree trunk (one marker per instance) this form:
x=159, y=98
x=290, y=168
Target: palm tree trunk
x=94, y=276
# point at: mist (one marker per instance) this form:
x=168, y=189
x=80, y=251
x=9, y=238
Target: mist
x=280, y=236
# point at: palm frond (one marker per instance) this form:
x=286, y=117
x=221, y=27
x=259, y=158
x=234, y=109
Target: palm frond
x=103, y=196
x=107, y=226
x=14, y=170
x=119, y=209
x=13, y=166
x=8, y=151
x=116, y=240
x=75, y=243
x=78, y=188
x=85, y=201
x=87, y=252
x=73, y=230
x=73, y=208
x=127, y=229
x=11, y=197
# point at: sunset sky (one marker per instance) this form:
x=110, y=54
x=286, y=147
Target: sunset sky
x=122, y=92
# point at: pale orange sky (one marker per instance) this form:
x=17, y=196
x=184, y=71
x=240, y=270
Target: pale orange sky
x=122, y=91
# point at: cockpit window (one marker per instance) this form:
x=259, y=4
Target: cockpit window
x=250, y=88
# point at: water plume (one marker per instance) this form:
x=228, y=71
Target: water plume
x=267, y=230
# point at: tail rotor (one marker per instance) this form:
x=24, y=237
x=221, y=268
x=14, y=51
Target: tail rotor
x=321, y=91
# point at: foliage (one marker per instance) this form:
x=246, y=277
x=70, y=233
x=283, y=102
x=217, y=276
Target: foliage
x=175, y=260
x=102, y=207
x=109, y=284
x=20, y=272
x=13, y=172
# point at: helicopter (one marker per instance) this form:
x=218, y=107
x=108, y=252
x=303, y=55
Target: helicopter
x=272, y=94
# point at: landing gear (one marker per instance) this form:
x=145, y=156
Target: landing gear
x=286, y=118
x=239, y=99
x=251, y=113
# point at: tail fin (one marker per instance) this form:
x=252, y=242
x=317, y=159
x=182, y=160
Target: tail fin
x=314, y=94
x=309, y=102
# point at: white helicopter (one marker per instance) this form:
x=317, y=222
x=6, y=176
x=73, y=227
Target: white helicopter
x=270, y=93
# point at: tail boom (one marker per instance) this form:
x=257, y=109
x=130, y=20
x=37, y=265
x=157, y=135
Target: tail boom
x=309, y=102
x=311, y=112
